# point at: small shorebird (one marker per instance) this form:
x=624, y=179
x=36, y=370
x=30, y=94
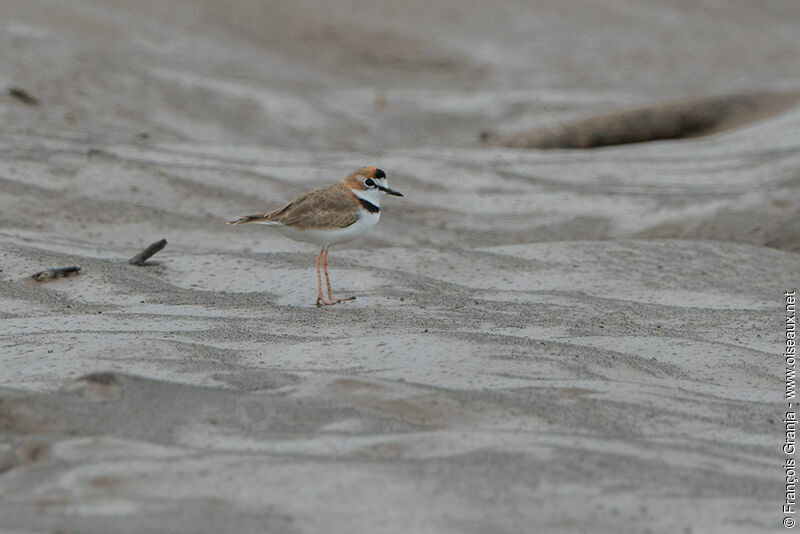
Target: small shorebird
x=332, y=214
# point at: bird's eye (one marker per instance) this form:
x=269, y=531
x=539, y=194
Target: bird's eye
x=369, y=182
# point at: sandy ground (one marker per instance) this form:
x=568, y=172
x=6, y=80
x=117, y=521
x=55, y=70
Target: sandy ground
x=557, y=341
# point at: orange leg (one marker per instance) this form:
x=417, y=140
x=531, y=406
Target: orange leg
x=331, y=298
x=320, y=299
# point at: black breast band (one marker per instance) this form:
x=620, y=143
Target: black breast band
x=369, y=206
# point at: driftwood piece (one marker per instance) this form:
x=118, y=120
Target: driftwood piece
x=142, y=257
x=670, y=120
x=58, y=272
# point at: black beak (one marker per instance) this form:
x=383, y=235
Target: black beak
x=389, y=191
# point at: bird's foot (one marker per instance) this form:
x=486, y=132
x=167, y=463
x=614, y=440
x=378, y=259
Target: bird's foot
x=322, y=302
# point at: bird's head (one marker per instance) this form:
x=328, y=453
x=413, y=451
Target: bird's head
x=370, y=182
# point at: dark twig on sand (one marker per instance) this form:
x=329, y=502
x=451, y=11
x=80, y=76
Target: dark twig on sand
x=58, y=272
x=141, y=257
x=23, y=96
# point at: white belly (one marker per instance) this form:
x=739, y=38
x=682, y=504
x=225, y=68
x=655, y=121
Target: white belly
x=366, y=221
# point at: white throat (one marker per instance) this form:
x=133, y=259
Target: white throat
x=373, y=196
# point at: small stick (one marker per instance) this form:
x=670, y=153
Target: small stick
x=23, y=96
x=49, y=274
x=141, y=257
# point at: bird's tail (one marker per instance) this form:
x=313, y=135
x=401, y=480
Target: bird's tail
x=244, y=219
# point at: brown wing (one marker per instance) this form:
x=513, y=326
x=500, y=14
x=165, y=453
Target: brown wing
x=332, y=206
